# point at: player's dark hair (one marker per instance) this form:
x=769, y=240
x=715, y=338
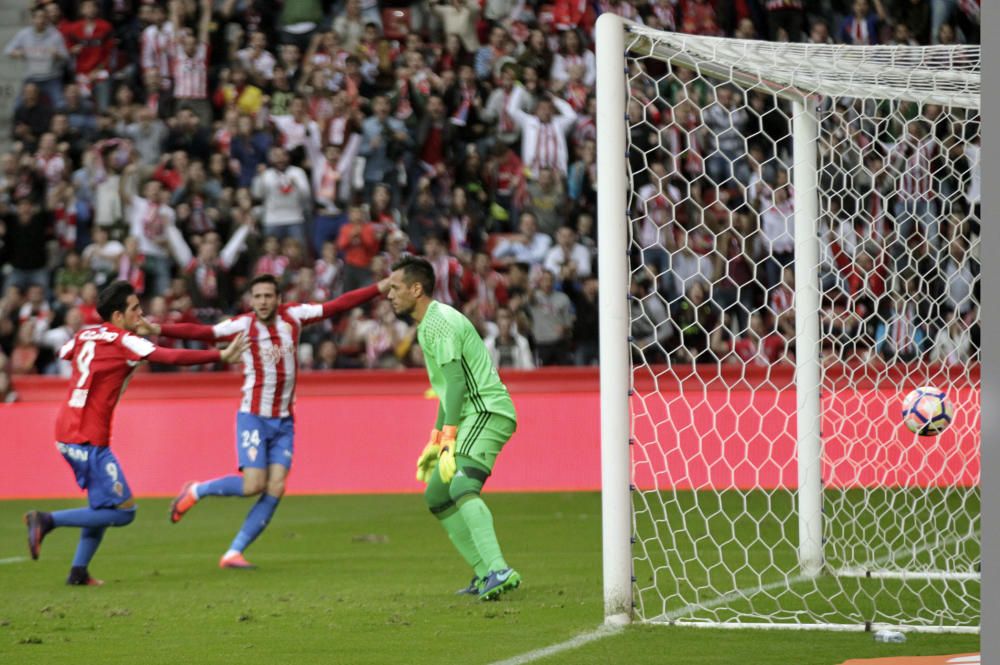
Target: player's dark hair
x=416, y=269
x=265, y=278
x=114, y=298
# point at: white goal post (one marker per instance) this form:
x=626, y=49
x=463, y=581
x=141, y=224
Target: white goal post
x=830, y=538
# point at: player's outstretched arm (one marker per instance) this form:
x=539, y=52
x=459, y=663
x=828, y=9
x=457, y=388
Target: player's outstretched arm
x=312, y=313
x=191, y=331
x=352, y=299
x=230, y=354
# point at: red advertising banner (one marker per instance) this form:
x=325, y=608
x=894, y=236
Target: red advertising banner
x=361, y=432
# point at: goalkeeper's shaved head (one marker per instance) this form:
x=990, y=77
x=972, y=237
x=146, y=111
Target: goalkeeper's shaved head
x=417, y=270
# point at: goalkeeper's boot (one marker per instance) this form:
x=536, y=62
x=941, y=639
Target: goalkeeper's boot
x=235, y=560
x=78, y=576
x=473, y=589
x=39, y=524
x=183, y=502
x=498, y=582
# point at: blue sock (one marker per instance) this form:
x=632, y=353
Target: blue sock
x=90, y=540
x=256, y=521
x=224, y=486
x=94, y=518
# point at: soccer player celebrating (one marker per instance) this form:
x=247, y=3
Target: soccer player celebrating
x=475, y=419
x=103, y=360
x=265, y=427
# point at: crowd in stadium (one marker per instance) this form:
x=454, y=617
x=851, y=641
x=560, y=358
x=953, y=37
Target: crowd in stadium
x=189, y=145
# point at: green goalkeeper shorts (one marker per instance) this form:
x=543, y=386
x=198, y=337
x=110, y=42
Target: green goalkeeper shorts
x=481, y=437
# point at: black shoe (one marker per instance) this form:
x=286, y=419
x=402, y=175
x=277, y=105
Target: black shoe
x=78, y=576
x=39, y=524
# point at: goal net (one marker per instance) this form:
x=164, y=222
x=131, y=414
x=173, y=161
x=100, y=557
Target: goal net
x=797, y=229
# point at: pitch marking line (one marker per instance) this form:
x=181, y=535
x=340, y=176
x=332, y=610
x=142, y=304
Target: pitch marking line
x=572, y=643
x=724, y=599
x=13, y=559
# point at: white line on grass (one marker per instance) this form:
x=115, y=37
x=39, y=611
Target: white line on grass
x=572, y=643
x=607, y=631
x=13, y=559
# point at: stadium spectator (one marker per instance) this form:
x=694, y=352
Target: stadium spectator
x=861, y=27
x=953, y=342
x=43, y=49
x=529, y=246
x=384, y=143
x=484, y=286
x=901, y=337
x=546, y=199
x=507, y=347
x=189, y=61
x=543, y=133
x=568, y=260
x=358, y=245
x=652, y=329
x=32, y=117
x=149, y=219
x=54, y=338
x=326, y=357
x=286, y=195
x=585, y=323
x=91, y=41
x=552, y=321
x=495, y=113
x=384, y=336
x=23, y=234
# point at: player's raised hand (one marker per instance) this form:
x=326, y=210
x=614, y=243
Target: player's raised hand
x=383, y=285
x=234, y=351
x=145, y=328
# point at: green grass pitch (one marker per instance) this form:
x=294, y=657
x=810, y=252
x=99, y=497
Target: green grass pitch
x=353, y=579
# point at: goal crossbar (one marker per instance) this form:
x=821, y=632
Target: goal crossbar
x=924, y=74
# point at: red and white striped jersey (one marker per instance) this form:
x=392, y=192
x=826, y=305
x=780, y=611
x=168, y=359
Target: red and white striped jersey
x=52, y=167
x=447, y=275
x=156, y=44
x=970, y=8
x=103, y=360
x=915, y=164
x=190, y=73
x=270, y=364
x=782, y=299
x=775, y=5
x=903, y=329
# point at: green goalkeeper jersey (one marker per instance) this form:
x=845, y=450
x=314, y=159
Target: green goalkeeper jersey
x=445, y=335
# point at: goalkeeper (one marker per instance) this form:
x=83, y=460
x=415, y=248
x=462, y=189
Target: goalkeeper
x=475, y=419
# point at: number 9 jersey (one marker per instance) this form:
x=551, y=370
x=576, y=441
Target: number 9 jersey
x=103, y=360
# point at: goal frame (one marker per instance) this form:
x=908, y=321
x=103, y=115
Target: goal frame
x=614, y=323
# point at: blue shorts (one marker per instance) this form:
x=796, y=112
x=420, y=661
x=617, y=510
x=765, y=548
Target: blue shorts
x=97, y=470
x=261, y=442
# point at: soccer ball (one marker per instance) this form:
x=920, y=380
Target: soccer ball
x=927, y=411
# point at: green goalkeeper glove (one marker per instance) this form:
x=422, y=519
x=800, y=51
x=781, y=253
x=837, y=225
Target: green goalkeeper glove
x=446, y=460
x=429, y=457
